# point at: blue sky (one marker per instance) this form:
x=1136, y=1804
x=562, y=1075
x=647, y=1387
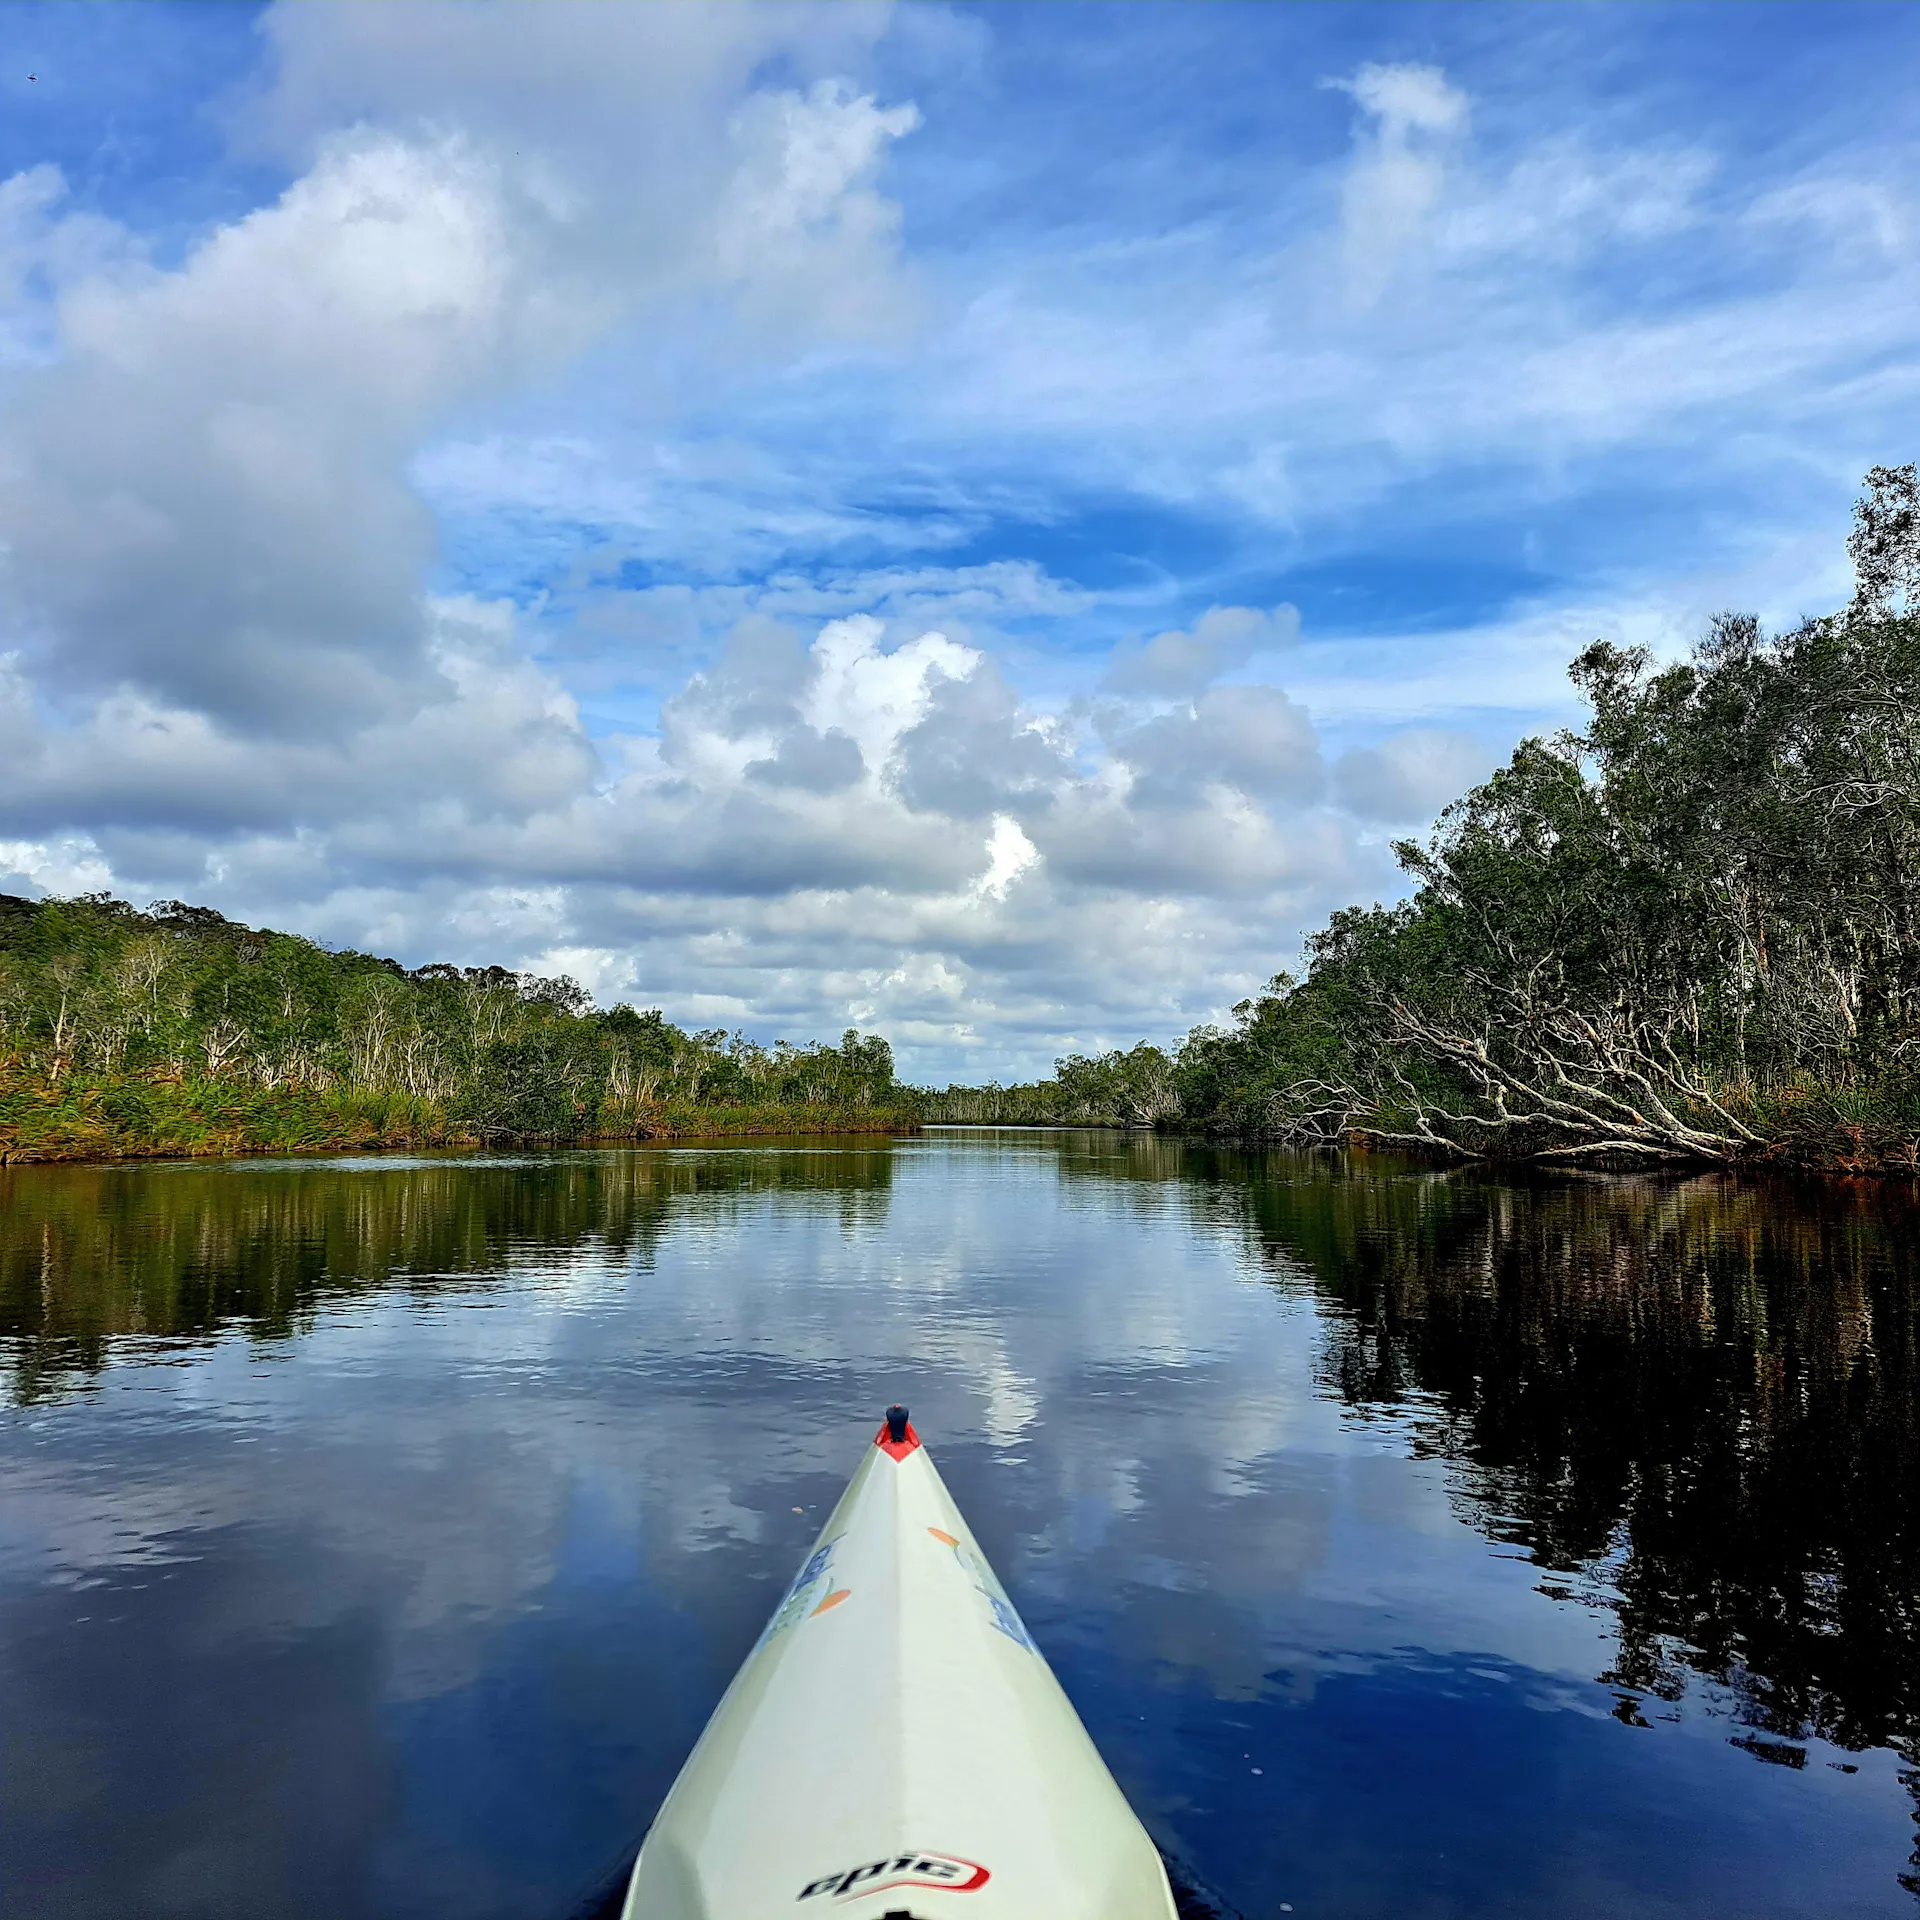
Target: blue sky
x=981, y=522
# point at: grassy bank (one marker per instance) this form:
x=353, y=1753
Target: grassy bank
x=111, y=1117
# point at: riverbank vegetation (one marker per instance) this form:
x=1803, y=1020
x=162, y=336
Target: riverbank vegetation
x=1134, y=1088
x=1688, y=931
x=177, y=1031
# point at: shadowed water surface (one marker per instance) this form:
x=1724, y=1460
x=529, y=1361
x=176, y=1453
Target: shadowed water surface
x=375, y=1535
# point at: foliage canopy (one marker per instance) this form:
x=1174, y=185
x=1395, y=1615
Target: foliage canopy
x=177, y=1029
x=1689, y=930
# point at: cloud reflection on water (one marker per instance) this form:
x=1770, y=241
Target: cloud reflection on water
x=415, y=1514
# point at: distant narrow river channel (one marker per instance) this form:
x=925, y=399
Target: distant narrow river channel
x=375, y=1535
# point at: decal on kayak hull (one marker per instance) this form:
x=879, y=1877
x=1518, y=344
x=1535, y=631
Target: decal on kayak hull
x=910, y=1869
x=1005, y=1620
x=812, y=1592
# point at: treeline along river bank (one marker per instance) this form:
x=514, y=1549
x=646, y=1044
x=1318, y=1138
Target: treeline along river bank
x=177, y=1031
x=1689, y=931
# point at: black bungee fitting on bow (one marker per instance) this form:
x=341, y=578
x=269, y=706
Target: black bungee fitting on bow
x=896, y=1423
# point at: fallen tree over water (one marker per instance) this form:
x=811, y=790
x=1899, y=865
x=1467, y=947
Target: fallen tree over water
x=1690, y=931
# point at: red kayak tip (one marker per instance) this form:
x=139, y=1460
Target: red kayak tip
x=896, y=1435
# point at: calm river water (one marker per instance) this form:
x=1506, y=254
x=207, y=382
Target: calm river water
x=375, y=1535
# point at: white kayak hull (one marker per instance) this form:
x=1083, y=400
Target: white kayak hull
x=895, y=1744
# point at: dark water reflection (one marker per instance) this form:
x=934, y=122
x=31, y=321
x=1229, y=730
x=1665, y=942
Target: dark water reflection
x=375, y=1536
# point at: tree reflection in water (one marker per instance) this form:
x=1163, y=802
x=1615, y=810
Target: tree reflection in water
x=179, y=1252
x=1692, y=1402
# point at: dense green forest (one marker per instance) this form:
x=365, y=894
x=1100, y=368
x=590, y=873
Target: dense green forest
x=179, y=1031
x=1689, y=931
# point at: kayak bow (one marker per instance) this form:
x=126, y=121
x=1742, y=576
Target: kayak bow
x=895, y=1746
